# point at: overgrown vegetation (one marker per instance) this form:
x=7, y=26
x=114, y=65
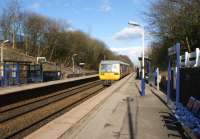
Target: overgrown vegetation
x=38, y=35
x=174, y=21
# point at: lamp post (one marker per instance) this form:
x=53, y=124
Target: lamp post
x=2, y=45
x=73, y=61
x=134, y=24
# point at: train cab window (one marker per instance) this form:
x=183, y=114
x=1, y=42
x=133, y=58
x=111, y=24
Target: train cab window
x=106, y=67
x=109, y=68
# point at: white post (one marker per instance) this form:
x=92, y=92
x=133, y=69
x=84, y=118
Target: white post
x=2, y=53
x=158, y=79
x=73, y=62
x=197, y=57
x=186, y=59
x=142, y=53
x=143, y=80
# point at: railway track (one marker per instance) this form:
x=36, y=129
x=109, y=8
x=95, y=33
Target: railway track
x=22, y=117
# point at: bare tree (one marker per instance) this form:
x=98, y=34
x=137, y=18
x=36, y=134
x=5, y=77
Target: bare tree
x=174, y=21
x=44, y=36
x=10, y=20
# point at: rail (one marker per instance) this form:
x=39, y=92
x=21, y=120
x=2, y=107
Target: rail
x=26, y=110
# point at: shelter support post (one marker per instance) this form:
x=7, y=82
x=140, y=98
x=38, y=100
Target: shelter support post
x=177, y=73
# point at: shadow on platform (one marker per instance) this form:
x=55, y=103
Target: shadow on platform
x=130, y=117
x=170, y=122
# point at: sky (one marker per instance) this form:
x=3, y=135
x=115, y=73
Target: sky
x=106, y=20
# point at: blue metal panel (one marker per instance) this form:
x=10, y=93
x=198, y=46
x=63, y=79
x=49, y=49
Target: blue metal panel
x=149, y=68
x=157, y=72
x=155, y=76
x=178, y=73
x=142, y=87
x=169, y=81
x=17, y=74
x=5, y=75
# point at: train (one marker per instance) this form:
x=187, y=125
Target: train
x=112, y=70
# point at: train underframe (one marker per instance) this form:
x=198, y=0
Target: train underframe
x=107, y=82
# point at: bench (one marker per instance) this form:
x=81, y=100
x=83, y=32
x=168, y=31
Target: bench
x=188, y=116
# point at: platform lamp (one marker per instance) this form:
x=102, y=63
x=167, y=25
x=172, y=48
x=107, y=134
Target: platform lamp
x=134, y=24
x=73, y=62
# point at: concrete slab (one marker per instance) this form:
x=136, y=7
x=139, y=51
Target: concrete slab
x=124, y=115
x=119, y=112
x=71, y=119
x=150, y=108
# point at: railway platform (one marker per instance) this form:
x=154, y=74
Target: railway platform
x=19, y=88
x=117, y=112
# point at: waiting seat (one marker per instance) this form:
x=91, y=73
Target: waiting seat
x=188, y=116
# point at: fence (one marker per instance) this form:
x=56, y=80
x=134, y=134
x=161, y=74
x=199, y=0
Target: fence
x=184, y=78
x=189, y=83
x=35, y=73
x=190, y=75
x=9, y=74
x=16, y=73
x=190, y=60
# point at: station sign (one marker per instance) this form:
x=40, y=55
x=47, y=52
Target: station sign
x=172, y=51
x=145, y=58
x=41, y=60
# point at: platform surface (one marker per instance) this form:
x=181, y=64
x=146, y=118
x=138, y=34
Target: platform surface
x=119, y=112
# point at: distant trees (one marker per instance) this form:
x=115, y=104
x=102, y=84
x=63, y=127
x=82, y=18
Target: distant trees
x=174, y=21
x=34, y=29
x=44, y=36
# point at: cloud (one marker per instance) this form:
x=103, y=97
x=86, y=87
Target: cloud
x=105, y=7
x=127, y=33
x=71, y=29
x=132, y=52
x=35, y=6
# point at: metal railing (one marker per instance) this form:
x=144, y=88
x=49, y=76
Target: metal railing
x=191, y=59
x=17, y=74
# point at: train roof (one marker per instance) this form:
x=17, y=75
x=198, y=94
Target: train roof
x=113, y=62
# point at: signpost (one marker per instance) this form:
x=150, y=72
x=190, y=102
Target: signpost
x=174, y=51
